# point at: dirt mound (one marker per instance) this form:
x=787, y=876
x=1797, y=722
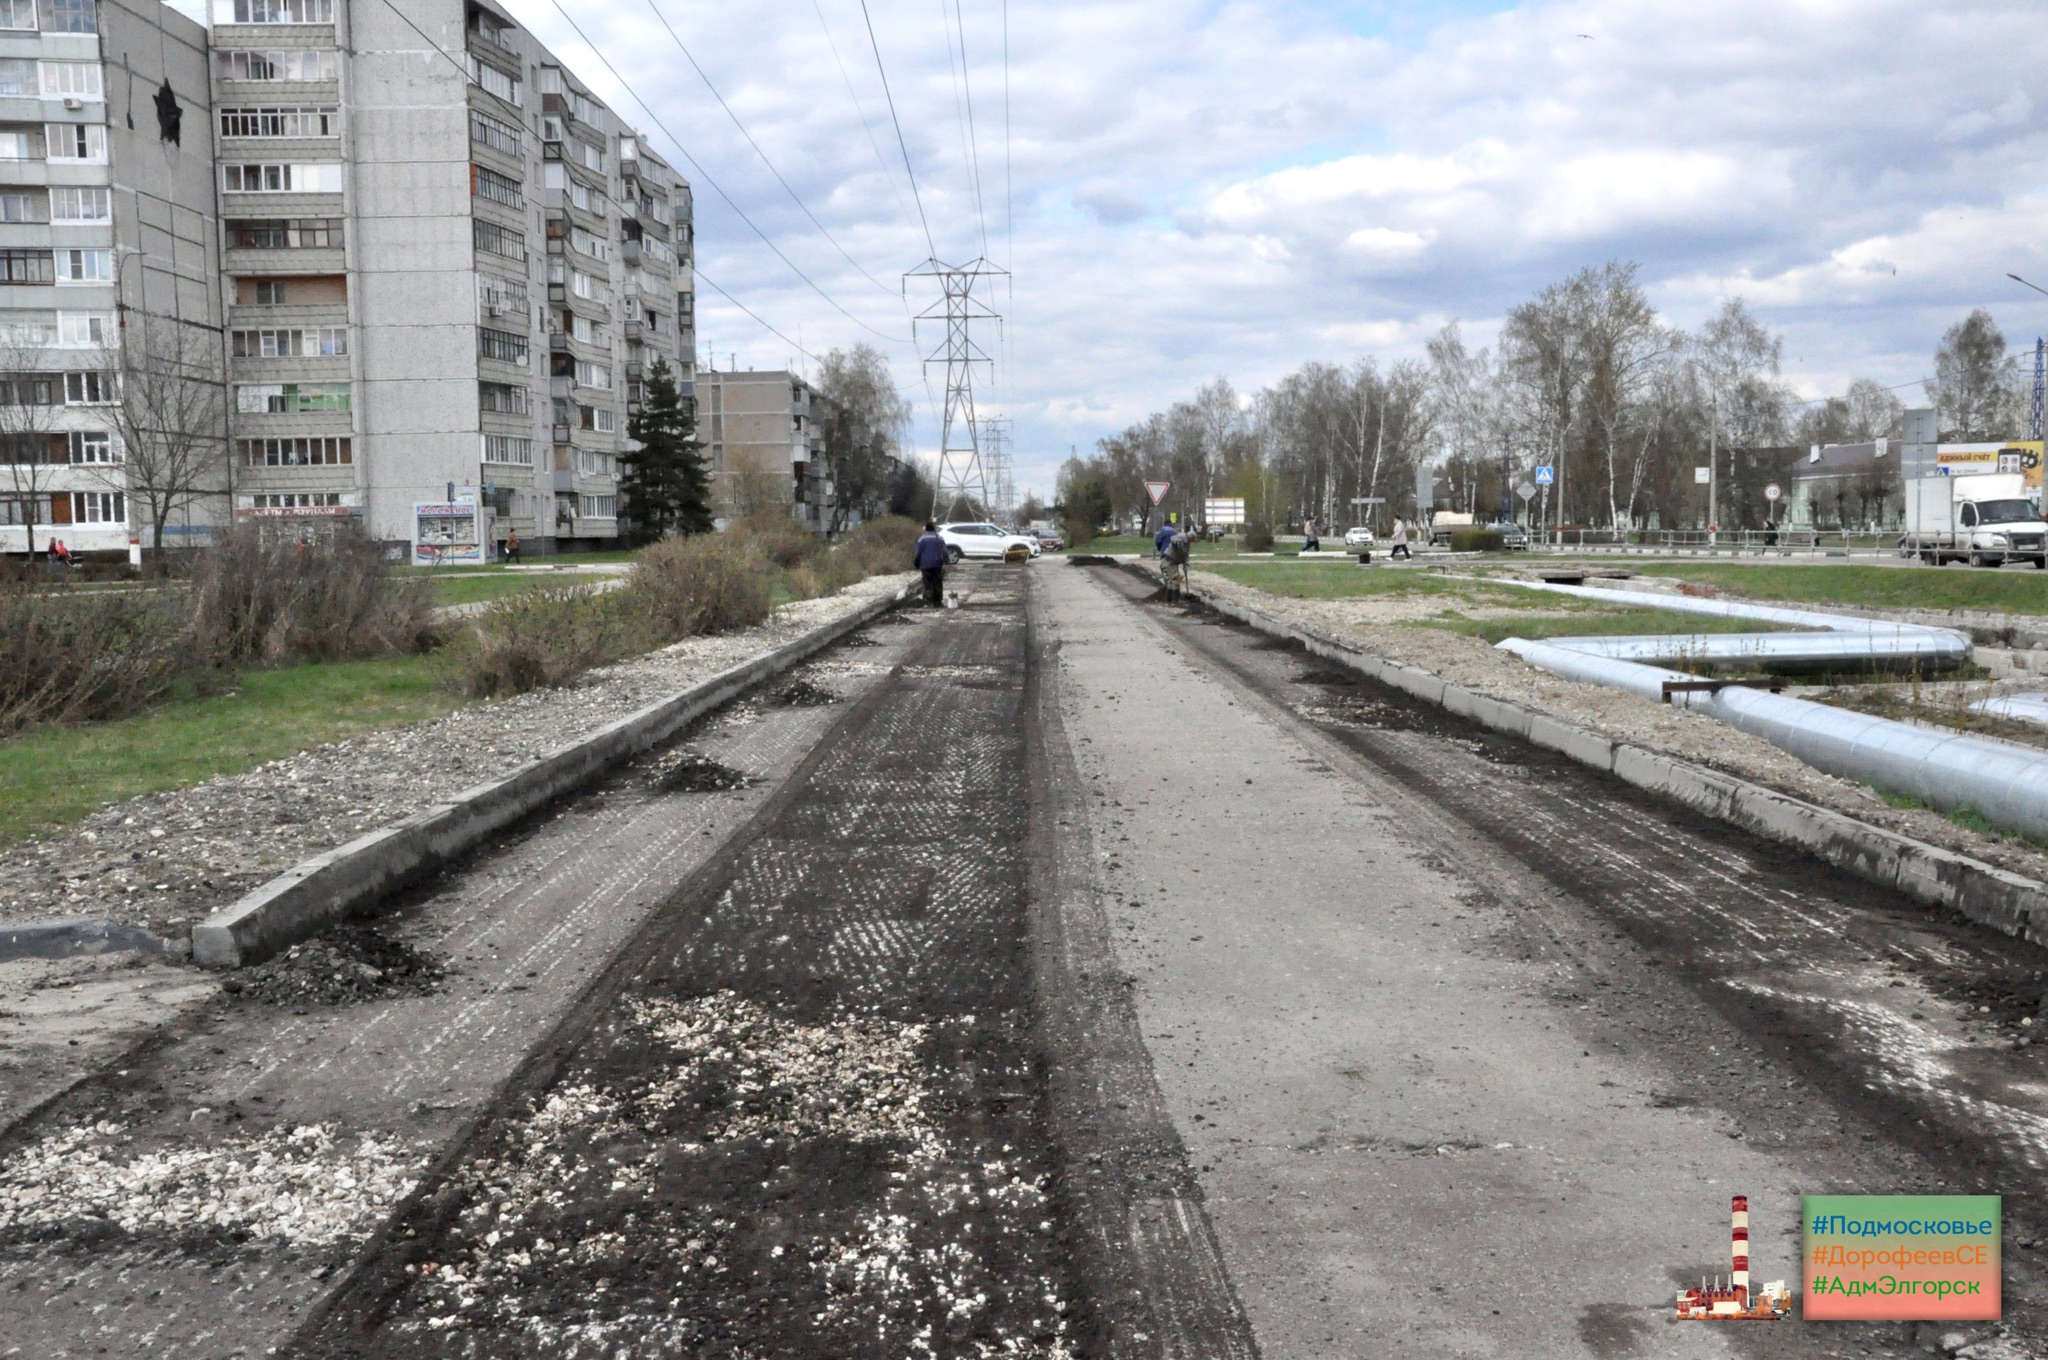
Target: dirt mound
x=804, y=694
x=695, y=772
x=348, y=963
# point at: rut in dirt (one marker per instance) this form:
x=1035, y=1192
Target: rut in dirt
x=800, y=1117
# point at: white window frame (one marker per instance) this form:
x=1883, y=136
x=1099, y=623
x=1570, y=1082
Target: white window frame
x=93, y=448
x=85, y=330
x=84, y=264
x=281, y=122
x=268, y=12
x=87, y=197
x=598, y=507
x=67, y=136
x=299, y=64
x=70, y=80
x=11, y=12
x=297, y=177
x=507, y=450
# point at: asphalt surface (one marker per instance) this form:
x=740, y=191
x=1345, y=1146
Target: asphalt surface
x=1058, y=975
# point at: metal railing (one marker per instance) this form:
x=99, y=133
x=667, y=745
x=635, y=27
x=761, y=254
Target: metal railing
x=1734, y=542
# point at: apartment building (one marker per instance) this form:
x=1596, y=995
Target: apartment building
x=107, y=231
x=764, y=437
x=446, y=266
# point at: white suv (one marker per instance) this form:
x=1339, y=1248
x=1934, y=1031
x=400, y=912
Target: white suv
x=983, y=540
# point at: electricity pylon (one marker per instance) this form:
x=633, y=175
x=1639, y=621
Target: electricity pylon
x=995, y=459
x=962, y=473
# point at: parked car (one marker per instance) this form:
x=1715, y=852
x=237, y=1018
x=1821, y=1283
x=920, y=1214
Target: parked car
x=1051, y=540
x=983, y=540
x=1358, y=538
x=1512, y=535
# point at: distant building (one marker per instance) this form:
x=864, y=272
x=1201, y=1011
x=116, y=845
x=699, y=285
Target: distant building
x=763, y=432
x=1844, y=486
x=107, y=227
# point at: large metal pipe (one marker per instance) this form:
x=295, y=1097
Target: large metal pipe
x=1936, y=647
x=2006, y=783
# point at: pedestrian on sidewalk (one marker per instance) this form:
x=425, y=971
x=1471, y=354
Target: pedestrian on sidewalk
x=930, y=558
x=1309, y=542
x=512, y=547
x=1400, y=548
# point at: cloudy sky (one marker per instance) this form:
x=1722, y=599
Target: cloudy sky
x=1191, y=189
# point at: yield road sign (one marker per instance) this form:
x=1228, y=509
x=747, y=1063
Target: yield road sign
x=1545, y=475
x=1525, y=491
x=1157, y=490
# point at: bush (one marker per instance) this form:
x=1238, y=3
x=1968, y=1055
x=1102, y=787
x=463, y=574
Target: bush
x=1077, y=531
x=1478, y=540
x=1257, y=538
x=262, y=599
x=709, y=583
x=881, y=547
x=83, y=656
x=541, y=639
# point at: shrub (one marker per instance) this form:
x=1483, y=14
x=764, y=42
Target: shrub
x=1078, y=532
x=709, y=583
x=541, y=639
x=778, y=538
x=1257, y=538
x=263, y=599
x=881, y=547
x=82, y=656
x=1477, y=540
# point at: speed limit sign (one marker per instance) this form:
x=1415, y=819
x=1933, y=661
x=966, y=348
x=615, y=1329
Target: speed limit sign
x=1772, y=492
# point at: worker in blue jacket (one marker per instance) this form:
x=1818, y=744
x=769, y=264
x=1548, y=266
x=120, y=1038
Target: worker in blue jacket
x=1163, y=538
x=930, y=558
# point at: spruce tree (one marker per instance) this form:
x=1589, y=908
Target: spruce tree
x=666, y=486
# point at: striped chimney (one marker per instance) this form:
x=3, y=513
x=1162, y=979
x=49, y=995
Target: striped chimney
x=1739, y=1247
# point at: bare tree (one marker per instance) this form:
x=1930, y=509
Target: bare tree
x=171, y=415
x=1976, y=383
x=866, y=429
x=31, y=449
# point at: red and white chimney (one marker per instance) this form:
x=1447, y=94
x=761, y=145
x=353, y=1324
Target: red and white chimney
x=1739, y=1247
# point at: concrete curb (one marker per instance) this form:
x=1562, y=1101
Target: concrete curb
x=313, y=892
x=1983, y=892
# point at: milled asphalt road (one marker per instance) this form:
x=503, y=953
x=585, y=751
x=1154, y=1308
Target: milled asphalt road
x=1417, y=1130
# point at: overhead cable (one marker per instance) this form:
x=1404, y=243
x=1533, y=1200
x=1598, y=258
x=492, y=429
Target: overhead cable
x=900, y=143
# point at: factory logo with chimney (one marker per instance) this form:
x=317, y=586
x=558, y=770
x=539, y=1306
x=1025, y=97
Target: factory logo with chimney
x=1715, y=1302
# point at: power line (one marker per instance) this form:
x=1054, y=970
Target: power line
x=973, y=141
x=1009, y=215
x=901, y=144
x=963, y=112
x=677, y=39
x=704, y=278
x=738, y=211
x=882, y=161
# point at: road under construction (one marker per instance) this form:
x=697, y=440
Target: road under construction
x=1062, y=974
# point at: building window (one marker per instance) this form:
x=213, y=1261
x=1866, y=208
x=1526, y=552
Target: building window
x=98, y=507
x=73, y=16
x=505, y=448
x=92, y=446
x=81, y=205
x=313, y=343
x=285, y=233
x=500, y=345
x=591, y=463
x=600, y=507
x=489, y=78
x=290, y=398
x=290, y=65
x=26, y=266
x=598, y=376
x=299, y=290
x=28, y=206
x=19, y=15
x=318, y=451
x=70, y=80
x=84, y=328
x=596, y=247
x=85, y=266
x=497, y=188
x=89, y=389
x=498, y=298
x=493, y=134
x=281, y=122
x=19, y=145
x=28, y=328
x=281, y=179
x=29, y=389
x=493, y=239
x=607, y=420
x=504, y=399
x=273, y=11
x=76, y=142
x=295, y=500
x=18, y=78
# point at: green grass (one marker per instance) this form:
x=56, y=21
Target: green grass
x=2021, y=591
x=471, y=589
x=1334, y=580
x=1130, y=543
x=617, y=556
x=52, y=777
x=1598, y=623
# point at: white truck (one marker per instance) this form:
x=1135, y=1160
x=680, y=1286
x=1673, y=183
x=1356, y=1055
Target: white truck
x=1985, y=520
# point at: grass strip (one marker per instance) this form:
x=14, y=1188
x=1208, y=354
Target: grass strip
x=54, y=776
x=2019, y=591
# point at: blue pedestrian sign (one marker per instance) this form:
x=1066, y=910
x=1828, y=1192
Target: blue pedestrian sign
x=1546, y=475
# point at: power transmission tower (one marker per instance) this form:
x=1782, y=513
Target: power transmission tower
x=2040, y=380
x=962, y=471
x=995, y=459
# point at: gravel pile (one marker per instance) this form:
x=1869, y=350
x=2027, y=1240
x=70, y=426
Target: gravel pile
x=1678, y=732
x=167, y=860
x=304, y=1186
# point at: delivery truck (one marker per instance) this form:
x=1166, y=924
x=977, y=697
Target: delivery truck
x=1985, y=520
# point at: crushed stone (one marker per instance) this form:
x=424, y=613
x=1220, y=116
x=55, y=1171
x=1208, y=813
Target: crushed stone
x=1678, y=732
x=164, y=861
x=349, y=962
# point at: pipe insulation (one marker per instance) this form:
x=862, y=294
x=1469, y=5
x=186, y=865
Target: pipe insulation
x=2005, y=782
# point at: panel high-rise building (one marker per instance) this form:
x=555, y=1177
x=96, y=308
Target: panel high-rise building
x=447, y=266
